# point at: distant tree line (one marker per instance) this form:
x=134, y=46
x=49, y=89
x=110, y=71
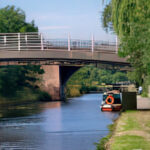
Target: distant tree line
x=89, y=75
x=90, y=78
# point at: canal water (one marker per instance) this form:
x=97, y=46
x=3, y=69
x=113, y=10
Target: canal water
x=75, y=125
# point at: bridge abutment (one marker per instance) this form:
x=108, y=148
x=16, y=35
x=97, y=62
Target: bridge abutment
x=55, y=79
x=51, y=81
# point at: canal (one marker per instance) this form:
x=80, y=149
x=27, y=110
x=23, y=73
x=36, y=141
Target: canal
x=75, y=125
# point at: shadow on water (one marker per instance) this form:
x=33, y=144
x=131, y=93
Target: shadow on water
x=19, y=111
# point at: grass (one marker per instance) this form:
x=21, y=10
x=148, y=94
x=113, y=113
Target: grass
x=102, y=143
x=129, y=122
x=130, y=142
x=148, y=123
x=73, y=92
x=78, y=90
x=131, y=132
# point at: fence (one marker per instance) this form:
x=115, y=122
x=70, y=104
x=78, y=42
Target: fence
x=35, y=41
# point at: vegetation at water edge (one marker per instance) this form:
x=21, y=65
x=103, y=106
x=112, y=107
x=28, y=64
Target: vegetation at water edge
x=90, y=78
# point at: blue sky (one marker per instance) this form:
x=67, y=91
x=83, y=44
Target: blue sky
x=57, y=18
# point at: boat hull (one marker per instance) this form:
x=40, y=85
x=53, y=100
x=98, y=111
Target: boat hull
x=106, y=109
x=111, y=107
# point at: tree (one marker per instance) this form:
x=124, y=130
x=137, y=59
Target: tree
x=14, y=20
x=89, y=74
x=119, y=77
x=107, y=18
x=130, y=20
x=17, y=78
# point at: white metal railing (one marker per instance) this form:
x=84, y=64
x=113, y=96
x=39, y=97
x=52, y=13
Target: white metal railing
x=20, y=41
x=36, y=41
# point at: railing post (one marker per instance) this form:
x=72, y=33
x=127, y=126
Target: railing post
x=42, y=47
x=69, y=46
x=92, y=47
x=116, y=44
x=18, y=41
x=26, y=38
x=5, y=40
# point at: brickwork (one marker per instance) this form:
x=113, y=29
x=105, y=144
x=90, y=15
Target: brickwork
x=51, y=81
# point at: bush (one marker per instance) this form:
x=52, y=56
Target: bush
x=93, y=88
x=73, y=92
x=84, y=89
x=43, y=96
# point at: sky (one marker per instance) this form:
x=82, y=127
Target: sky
x=58, y=18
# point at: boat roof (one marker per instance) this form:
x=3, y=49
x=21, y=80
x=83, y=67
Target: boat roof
x=113, y=92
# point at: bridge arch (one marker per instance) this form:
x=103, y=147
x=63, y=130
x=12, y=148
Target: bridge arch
x=55, y=79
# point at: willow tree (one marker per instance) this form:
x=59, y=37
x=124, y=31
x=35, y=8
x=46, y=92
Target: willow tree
x=131, y=22
x=107, y=18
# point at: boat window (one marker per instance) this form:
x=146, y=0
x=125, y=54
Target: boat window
x=104, y=97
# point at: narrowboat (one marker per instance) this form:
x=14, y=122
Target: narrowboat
x=111, y=101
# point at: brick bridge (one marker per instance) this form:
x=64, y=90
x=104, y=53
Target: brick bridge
x=59, y=58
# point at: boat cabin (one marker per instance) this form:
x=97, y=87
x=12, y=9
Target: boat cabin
x=111, y=101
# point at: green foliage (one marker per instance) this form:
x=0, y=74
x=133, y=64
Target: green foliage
x=92, y=76
x=43, y=96
x=16, y=78
x=14, y=20
x=132, y=26
x=107, y=18
x=72, y=91
x=118, y=77
x=130, y=20
x=84, y=89
x=19, y=82
x=89, y=78
x=102, y=143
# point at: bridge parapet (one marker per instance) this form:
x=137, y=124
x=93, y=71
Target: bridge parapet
x=36, y=41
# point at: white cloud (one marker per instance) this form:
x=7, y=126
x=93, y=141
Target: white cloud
x=54, y=27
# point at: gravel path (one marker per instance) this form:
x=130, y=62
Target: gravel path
x=143, y=103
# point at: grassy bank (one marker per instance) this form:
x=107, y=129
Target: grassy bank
x=102, y=143
x=131, y=132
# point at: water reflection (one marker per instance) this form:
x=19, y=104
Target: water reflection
x=53, y=117
x=75, y=125
x=111, y=115
x=50, y=105
x=19, y=111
